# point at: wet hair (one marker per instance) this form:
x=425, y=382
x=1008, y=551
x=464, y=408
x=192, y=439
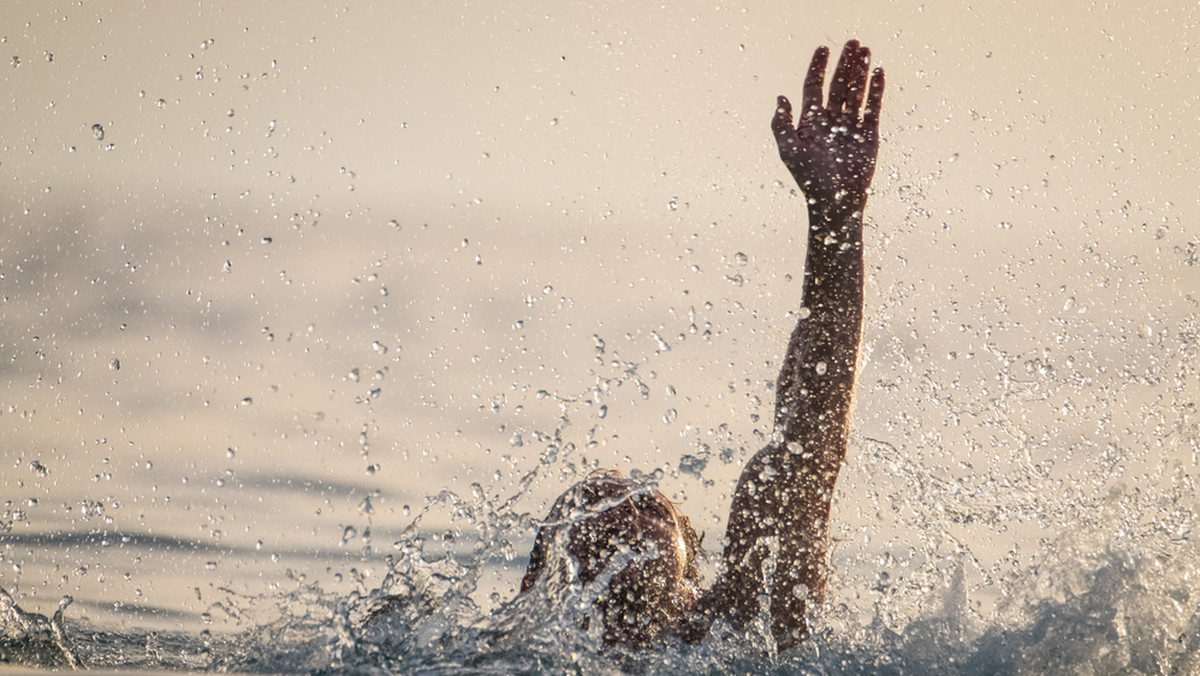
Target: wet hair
x=605, y=516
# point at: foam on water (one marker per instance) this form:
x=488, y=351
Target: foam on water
x=1119, y=594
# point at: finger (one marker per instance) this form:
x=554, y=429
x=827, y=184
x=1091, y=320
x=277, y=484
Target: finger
x=874, y=101
x=814, y=82
x=781, y=124
x=858, y=80
x=840, y=85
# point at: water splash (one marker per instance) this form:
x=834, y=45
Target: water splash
x=33, y=639
x=1114, y=590
x=1119, y=595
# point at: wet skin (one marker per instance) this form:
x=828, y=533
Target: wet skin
x=778, y=528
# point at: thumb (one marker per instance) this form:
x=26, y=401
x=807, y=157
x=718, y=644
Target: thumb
x=781, y=124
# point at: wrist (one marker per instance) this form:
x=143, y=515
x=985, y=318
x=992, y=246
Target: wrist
x=832, y=197
x=843, y=208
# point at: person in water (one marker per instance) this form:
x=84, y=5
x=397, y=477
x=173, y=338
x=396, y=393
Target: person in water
x=777, y=538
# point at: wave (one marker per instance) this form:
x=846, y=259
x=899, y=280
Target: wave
x=1127, y=603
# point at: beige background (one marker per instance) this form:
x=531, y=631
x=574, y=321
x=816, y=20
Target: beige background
x=347, y=254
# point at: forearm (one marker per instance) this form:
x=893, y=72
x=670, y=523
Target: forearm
x=816, y=382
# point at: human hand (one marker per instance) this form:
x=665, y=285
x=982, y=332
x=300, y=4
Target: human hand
x=831, y=151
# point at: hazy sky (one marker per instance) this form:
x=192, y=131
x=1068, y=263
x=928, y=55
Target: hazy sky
x=521, y=103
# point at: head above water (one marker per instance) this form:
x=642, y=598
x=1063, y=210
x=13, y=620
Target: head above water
x=605, y=520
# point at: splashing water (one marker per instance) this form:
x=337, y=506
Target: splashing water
x=1114, y=591
x=1126, y=605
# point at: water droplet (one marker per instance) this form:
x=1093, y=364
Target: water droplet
x=662, y=344
x=670, y=416
x=821, y=368
x=98, y=131
x=692, y=465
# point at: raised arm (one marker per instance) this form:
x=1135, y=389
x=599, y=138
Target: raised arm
x=777, y=537
x=831, y=154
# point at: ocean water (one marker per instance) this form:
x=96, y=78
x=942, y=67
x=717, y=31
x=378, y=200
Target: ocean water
x=1117, y=596
x=288, y=473
x=1102, y=580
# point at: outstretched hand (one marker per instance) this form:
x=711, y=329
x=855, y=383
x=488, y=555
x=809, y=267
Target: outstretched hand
x=831, y=151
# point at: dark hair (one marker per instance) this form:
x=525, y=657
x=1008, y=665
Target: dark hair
x=605, y=514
